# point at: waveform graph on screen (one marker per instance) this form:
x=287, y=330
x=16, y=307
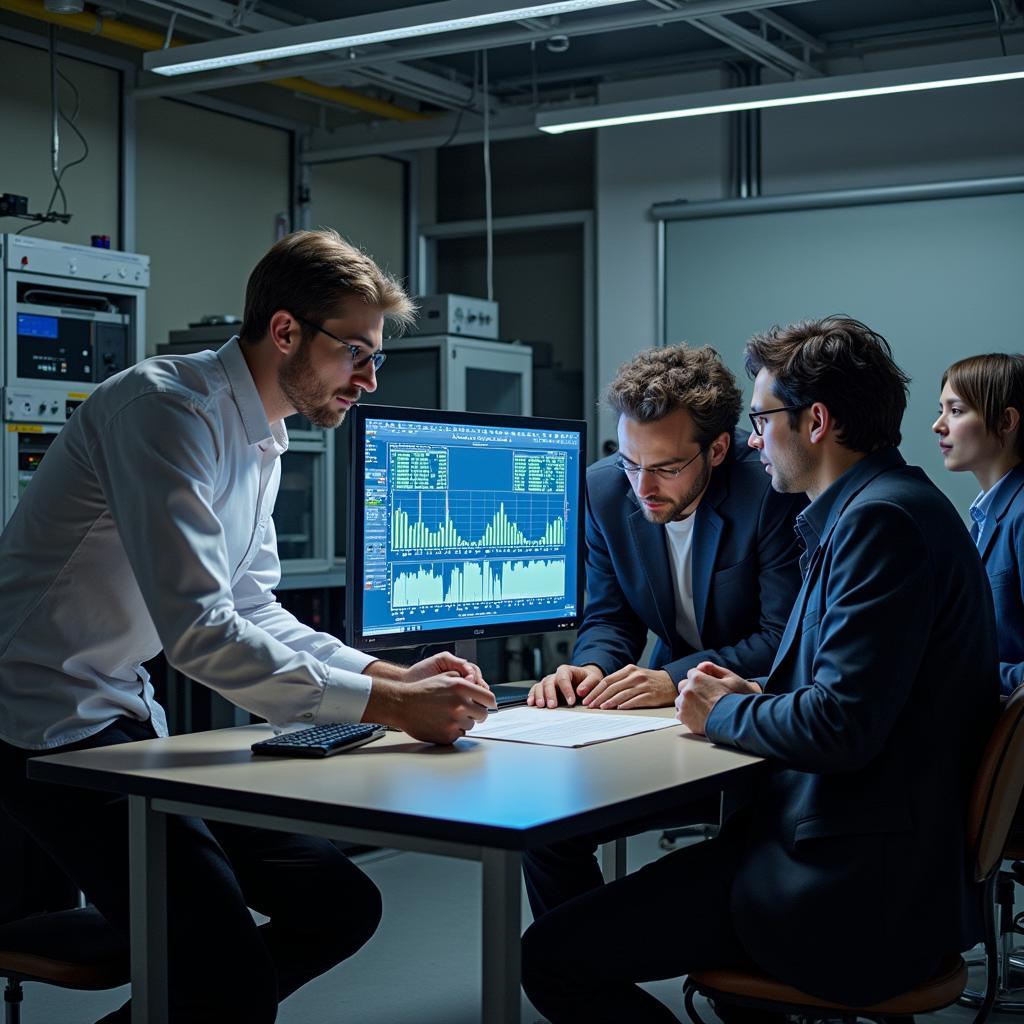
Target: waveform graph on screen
x=471, y=526
x=447, y=521
x=440, y=583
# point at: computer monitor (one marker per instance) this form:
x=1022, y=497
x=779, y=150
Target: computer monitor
x=464, y=526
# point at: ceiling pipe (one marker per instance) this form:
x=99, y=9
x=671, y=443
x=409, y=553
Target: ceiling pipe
x=143, y=39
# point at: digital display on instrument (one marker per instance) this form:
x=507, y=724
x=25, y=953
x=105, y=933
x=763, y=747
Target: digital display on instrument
x=467, y=525
x=31, y=326
x=70, y=349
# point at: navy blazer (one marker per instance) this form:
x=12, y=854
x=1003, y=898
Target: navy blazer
x=853, y=881
x=1002, y=553
x=744, y=562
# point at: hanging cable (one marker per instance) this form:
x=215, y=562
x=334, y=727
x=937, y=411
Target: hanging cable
x=533, y=73
x=170, y=30
x=999, y=25
x=488, y=211
x=57, y=115
x=468, y=107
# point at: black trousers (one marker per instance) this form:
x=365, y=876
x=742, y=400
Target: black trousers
x=562, y=871
x=221, y=967
x=582, y=961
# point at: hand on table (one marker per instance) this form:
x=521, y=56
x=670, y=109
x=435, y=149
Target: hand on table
x=630, y=687
x=565, y=681
x=438, y=709
x=701, y=690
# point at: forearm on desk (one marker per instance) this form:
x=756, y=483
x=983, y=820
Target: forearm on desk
x=386, y=670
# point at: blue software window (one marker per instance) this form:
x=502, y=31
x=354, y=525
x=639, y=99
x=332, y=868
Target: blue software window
x=470, y=525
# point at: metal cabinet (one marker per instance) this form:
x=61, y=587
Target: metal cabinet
x=442, y=371
x=70, y=317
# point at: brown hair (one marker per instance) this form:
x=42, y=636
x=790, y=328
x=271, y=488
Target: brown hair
x=991, y=384
x=311, y=274
x=660, y=380
x=843, y=364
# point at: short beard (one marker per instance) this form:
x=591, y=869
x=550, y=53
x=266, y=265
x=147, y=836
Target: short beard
x=675, y=510
x=794, y=478
x=308, y=396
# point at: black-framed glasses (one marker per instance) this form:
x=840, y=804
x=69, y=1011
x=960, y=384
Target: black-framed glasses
x=631, y=469
x=757, y=418
x=360, y=357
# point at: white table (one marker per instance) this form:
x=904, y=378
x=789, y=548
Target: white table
x=479, y=799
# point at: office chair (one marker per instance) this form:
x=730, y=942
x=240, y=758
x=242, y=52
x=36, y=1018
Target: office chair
x=1009, y=964
x=43, y=937
x=990, y=812
x=70, y=948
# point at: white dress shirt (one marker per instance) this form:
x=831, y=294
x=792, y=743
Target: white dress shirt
x=148, y=526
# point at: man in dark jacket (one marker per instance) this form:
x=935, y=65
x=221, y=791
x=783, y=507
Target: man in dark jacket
x=845, y=875
x=686, y=539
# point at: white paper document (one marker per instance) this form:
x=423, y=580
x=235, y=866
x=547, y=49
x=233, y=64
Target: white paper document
x=563, y=728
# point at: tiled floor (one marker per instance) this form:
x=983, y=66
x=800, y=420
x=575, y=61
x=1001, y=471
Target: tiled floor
x=422, y=966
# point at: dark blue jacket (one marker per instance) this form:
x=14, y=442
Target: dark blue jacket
x=1002, y=553
x=744, y=561
x=884, y=689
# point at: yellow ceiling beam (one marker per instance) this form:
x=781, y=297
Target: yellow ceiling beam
x=144, y=39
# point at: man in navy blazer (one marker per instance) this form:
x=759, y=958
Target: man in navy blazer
x=744, y=574
x=845, y=874
x=687, y=539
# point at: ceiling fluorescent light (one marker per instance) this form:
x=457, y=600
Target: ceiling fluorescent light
x=364, y=30
x=785, y=94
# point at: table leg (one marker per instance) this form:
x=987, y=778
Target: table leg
x=502, y=928
x=147, y=849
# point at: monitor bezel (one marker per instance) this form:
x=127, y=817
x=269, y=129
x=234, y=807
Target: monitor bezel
x=355, y=551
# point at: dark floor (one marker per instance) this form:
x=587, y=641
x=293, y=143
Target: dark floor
x=422, y=966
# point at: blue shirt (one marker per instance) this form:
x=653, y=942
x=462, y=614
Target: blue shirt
x=981, y=506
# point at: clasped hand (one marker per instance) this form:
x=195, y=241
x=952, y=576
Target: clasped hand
x=445, y=661
x=702, y=689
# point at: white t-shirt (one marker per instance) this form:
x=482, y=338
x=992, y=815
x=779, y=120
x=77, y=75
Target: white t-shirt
x=680, y=548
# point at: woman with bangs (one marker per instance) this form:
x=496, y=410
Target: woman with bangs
x=979, y=428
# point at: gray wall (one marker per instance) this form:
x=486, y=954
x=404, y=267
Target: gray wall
x=91, y=187
x=637, y=166
x=210, y=188
x=939, y=278
x=365, y=201
x=930, y=136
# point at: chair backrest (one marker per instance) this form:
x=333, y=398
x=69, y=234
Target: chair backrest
x=997, y=788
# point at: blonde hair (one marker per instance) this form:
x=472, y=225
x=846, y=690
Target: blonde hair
x=311, y=274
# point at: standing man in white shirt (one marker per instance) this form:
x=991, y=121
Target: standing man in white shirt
x=147, y=527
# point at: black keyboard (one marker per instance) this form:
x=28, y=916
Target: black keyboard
x=319, y=741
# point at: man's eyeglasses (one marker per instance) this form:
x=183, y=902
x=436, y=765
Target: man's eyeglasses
x=757, y=418
x=631, y=469
x=360, y=357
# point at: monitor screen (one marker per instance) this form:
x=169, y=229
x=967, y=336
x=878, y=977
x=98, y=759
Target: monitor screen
x=463, y=526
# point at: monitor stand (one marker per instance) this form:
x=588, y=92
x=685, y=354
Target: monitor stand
x=466, y=649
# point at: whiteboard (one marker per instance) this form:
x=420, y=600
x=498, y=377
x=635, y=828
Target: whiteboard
x=940, y=279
